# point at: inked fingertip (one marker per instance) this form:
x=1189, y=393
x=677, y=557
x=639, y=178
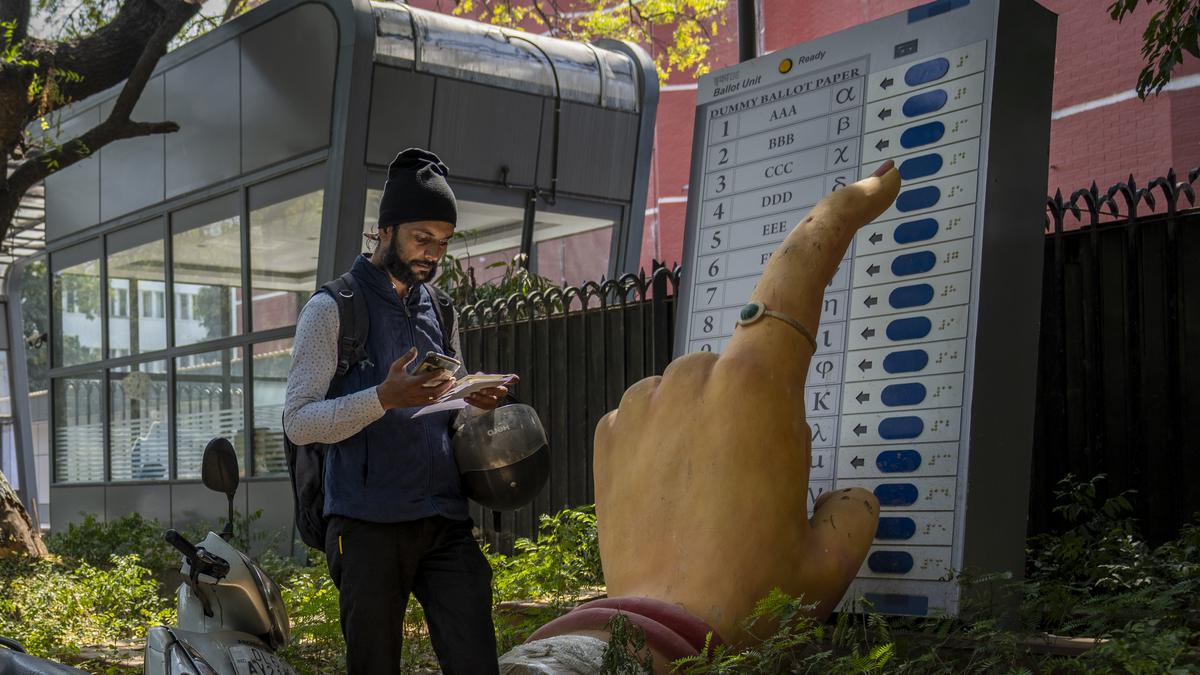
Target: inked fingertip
x=883, y=168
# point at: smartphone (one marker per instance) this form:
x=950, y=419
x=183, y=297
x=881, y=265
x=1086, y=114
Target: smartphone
x=435, y=361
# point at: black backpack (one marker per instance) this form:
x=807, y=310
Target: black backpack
x=306, y=463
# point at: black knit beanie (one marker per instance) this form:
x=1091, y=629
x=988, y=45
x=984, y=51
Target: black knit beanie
x=416, y=189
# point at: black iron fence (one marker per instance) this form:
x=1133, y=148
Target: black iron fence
x=1119, y=384
x=1119, y=377
x=576, y=350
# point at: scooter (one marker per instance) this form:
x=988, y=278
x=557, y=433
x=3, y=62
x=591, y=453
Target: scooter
x=231, y=615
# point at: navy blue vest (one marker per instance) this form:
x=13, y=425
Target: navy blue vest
x=396, y=469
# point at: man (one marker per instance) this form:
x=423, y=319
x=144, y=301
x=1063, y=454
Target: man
x=398, y=518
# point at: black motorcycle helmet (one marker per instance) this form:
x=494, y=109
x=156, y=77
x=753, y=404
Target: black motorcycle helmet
x=503, y=457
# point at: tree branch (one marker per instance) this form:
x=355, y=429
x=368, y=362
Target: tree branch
x=232, y=8
x=40, y=165
x=107, y=56
x=537, y=7
x=117, y=125
x=155, y=47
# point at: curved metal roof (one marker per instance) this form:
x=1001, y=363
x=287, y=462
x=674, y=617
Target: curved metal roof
x=449, y=46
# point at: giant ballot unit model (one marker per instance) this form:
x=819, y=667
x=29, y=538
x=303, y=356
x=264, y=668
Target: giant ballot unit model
x=922, y=387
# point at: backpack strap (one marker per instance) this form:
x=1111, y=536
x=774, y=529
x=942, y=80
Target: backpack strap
x=354, y=323
x=447, y=318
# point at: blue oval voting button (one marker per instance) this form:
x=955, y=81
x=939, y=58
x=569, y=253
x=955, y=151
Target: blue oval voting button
x=896, y=494
x=922, y=104
x=919, y=198
x=922, y=134
x=909, y=329
x=907, y=361
x=895, y=528
x=910, y=296
x=913, y=263
x=890, y=562
x=920, y=167
x=927, y=71
x=909, y=393
x=915, y=230
x=898, y=461
x=894, y=428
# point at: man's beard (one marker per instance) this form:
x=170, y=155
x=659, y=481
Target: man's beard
x=404, y=272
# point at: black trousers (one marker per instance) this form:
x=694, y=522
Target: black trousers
x=376, y=565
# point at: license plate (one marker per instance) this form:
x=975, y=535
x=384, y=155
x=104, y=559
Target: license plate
x=250, y=660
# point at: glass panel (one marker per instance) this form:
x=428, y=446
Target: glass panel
x=79, y=429
x=575, y=258
x=208, y=403
x=488, y=266
x=206, y=253
x=139, y=433
x=136, y=289
x=77, y=313
x=371, y=217
x=284, y=240
x=487, y=234
x=5, y=396
x=35, y=320
x=272, y=360
x=571, y=248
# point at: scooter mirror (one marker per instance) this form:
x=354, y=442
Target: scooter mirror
x=219, y=468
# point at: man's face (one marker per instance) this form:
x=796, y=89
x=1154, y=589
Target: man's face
x=410, y=252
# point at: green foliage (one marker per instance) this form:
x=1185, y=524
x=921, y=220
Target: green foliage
x=1095, y=577
x=1098, y=575
x=626, y=653
x=785, y=640
x=1171, y=31
x=460, y=284
x=691, y=24
x=564, y=560
x=557, y=570
x=93, y=542
x=54, y=609
x=311, y=598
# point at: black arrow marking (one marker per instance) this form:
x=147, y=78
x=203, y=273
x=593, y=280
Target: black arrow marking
x=860, y=430
x=862, y=396
x=871, y=301
x=873, y=270
x=857, y=462
x=882, y=144
x=876, y=238
x=864, y=365
x=887, y=82
x=885, y=113
x=868, y=333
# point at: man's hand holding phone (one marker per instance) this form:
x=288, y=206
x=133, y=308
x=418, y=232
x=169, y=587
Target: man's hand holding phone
x=403, y=390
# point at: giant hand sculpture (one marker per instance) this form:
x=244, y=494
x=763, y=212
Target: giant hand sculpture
x=702, y=473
